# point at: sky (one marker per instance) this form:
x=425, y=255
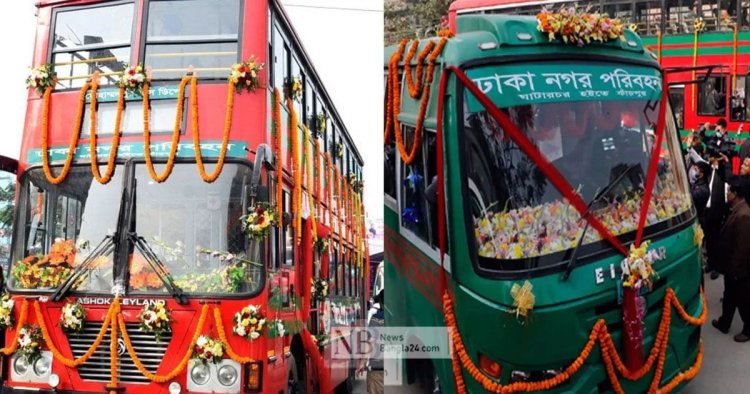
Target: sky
x=343, y=38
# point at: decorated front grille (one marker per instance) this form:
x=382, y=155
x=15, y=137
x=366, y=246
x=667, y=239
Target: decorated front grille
x=97, y=368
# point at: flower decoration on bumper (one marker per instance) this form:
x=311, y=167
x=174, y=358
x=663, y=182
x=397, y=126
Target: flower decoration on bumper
x=6, y=311
x=134, y=78
x=246, y=75
x=579, y=28
x=41, y=78
x=293, y=88
x=258, y=222
x=72, y=318
x=155, y=319
x=30, y=342
x=319, y=290
x=249, y=322
x=46, y=271
x=208, y=349
x=636, y=268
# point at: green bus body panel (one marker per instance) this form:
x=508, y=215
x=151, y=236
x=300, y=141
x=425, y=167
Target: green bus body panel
x=565, y=311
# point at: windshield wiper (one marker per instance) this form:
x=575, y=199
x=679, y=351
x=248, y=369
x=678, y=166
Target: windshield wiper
x=159, y=267
x=597, y=197
x=105, y=247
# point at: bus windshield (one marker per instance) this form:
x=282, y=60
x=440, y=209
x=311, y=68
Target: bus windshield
x=595, y=125
x=192, y=227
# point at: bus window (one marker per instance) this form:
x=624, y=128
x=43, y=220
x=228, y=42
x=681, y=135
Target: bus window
x=91, y=39
x=199, y=33
x=677, y=99
x=332, y=261
x=712, y=96
x=279, y=59
x=738, y=102
x=288, y=233
x=413, y=203
x=390, y=155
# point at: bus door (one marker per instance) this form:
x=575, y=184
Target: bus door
x=320, y=261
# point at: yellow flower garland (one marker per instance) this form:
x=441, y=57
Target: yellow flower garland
x=293, y=132
x=56, y=180
x=115, y=137
x=175, y=132
x=113, y=350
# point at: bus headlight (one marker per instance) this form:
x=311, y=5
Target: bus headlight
x=227, y=375
x=20, y=365
x=42, y=366
x=200, y=374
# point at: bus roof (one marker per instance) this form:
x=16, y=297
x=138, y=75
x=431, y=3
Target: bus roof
x=518, y=35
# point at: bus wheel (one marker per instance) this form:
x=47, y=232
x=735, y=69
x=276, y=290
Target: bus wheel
x=293, y=385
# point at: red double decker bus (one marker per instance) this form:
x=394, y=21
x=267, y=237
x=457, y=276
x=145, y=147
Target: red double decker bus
x=189, y=213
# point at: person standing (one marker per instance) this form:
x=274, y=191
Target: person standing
x=734, y=247
x=715, y=212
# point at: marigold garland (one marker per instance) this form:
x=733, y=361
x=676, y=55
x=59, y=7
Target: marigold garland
x=23, y=315
x=392, y=95
x=56, y=180
x=600, y=334
x=317, y=173
x=309, y=177
x=72, y=363
x=395, y=105
x=293, y=131
x=115, y=137
x=175, y=132
x=416, y=89
x=223, y=337
x=185, y=359
x=196, y=132
x=113, y=349
x=329, y=189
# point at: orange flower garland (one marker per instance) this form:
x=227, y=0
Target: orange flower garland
x=223, y=337
x=599, y=334
x=318, y=189
x=329, y=189
x=113, y=350
x=175, y=132
x=293, y=131
x=56, y=352
x=183, y=363
x=309, y=177
x=196, y=132
x=115, y=137
x=23, y=315
x=415, y=90
x=408, y=157
x=391, y=93
x=56, y=180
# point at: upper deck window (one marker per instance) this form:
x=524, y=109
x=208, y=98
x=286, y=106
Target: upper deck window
x=199, y=33
x=85, y=40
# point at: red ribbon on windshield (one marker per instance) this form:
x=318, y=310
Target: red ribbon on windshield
x=652, y=167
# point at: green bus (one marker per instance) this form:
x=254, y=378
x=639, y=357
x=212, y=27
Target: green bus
x=534, y=281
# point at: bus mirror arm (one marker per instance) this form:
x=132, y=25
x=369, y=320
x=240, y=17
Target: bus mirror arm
x=263, y=159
